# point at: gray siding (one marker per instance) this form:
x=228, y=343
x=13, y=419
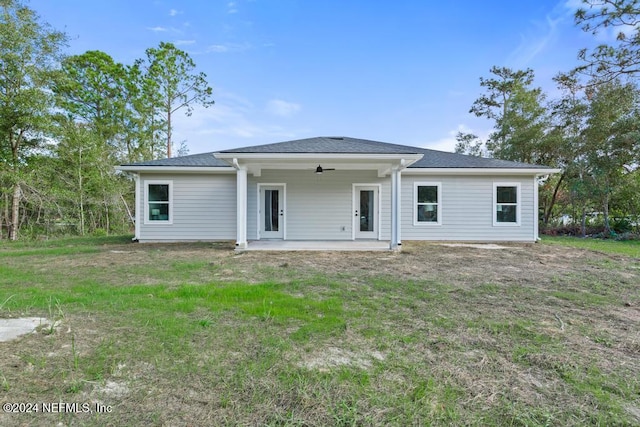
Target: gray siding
x=204, y=208
x=467, y=209
x=318, y=206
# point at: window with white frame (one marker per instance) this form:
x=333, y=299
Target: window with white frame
x=158, y=202
x=506, y=203
x=427, y=203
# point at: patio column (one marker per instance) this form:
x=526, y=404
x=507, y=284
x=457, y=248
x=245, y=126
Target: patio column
x=241, y=206
x=137, y=209
x=396, y=194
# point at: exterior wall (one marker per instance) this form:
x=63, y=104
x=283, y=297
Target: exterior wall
x=204, y=208
x=467, y=209
x=321, y=207
x=318, y=207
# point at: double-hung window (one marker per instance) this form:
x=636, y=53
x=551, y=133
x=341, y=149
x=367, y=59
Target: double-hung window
x=158, y=202
x=506, y=203
x=427, y=203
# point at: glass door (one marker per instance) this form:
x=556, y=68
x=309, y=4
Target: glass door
x=271, y=212
x=366, y=212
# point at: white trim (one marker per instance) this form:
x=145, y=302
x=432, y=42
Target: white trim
x=241, y=208
x=417, y=184
x=396, y=215
x=284, y=207
x=409, y=158
x=354, y=202
x=148, y=221
x=480, y=171
x=536, y=208
x=138, y=210
x=179, y=169
x=497, y=184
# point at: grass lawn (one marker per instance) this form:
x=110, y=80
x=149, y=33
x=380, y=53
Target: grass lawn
x=196, y=334
x=630, y=248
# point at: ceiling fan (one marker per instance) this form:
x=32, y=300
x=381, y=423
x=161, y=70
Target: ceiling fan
x=320, y=169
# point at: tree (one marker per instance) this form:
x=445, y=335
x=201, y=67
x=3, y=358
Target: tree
x=171, y=84
x=611, y=138
x=519, y=115
x=470, y=144
x=92, y=88
x=621, y=57
x=567, y=123
x=29, y=50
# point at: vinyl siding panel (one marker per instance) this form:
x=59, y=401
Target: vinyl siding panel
x=467, y=209
x=318, y=207
x=204, y=208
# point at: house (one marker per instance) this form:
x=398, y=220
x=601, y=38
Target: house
x=335, y=188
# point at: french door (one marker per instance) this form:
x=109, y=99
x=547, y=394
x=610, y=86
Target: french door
x=366, y=211
x=271, y=211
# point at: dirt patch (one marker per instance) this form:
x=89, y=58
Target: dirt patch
x=332, y=357
x=489, y=246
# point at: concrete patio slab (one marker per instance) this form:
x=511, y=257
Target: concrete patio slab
x=11, y=329
x=327, y=245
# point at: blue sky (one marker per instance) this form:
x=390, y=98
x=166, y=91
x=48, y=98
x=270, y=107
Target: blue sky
x=404, y=71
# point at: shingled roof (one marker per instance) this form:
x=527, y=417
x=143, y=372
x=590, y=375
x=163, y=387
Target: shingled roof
x=346, y=145
x=193, y=160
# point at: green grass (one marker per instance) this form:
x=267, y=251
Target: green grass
x=629, y=248
x=195, y=334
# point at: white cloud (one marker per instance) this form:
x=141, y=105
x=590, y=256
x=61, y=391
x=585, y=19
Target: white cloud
x=232, y=122
x=535, y=41
x=157, y=29
x=281, y=108
x=229, y=47
x=448, y=143
x=183, y=42
x=231, y=7
x=174, y=12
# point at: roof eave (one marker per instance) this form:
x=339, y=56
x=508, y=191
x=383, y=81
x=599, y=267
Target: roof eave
x=412, y=157
x=176, y=169
x=482, y=171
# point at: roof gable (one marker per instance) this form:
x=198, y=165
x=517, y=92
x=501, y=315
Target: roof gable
x=328, y=144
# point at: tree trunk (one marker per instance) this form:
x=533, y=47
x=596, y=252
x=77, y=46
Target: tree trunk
x=605, y=212
x=547, y=213
x=15, y=213
x=81, y=194
x=169, y=134
x=583, y=224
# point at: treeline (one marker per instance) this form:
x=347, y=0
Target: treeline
x=591, y=131
x=66, y=121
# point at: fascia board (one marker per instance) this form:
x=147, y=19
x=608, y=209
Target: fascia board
x=479, y=171
x=177, y=169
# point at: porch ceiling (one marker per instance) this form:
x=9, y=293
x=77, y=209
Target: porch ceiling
x=382, y=163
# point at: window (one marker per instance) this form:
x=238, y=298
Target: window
x=506, y=205
x=158, y=202
x=427, y=206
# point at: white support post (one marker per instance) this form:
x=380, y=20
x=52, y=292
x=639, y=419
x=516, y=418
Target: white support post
x=137, y=209
x=536, y=208
x=395, y=209
x=241, y=216
x=399, y=208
